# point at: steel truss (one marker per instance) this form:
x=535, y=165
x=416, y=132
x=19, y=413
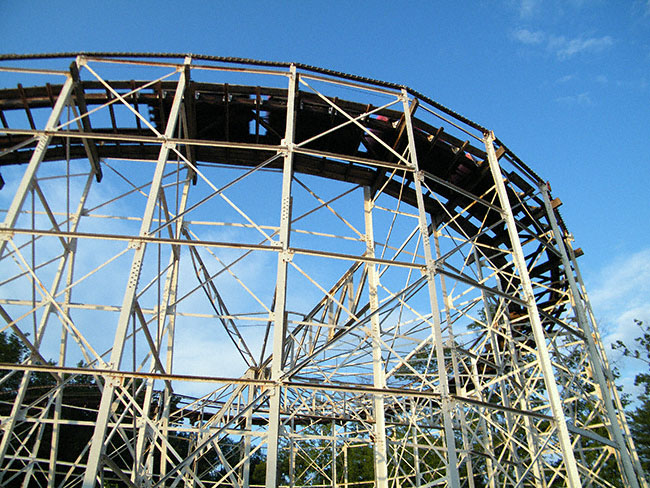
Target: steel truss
x=229, y=272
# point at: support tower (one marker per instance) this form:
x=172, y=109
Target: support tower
x=226, y=272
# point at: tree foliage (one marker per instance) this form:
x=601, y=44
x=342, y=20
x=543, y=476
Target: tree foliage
x=359, y=460
x=81, y=400
x=12, y=351
x=640, y=416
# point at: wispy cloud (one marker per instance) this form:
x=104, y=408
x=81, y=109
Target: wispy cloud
x=635, y=85
x=580, y=99
x=566, y=48
x=527, y=8
x=561, y=46
x=638, y=84
x=526, y=36
x=566, y=79
x=620, y=294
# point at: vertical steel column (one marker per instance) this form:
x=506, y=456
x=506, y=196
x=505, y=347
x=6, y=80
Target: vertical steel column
x=64, y=332
x=284, y=256
x=248, y=428
x=532, y=439
x=378, y=368
x=446, y=403
x=608, y=372
x=595, y=359
x=97, y=442
x=333, y=480
x=171, y=329
x=292, y=456
x=12, y=215
x=485, y=432
x=345, y=465
x=460, y=388
x=416, y=448
x=573, y=478
x=169, y=293
x=37, y=158
x=500, y=369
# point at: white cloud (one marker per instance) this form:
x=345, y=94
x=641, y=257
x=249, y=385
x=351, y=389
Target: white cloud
x=561, y=46
x=526, y=36
x=580, y=99
x=566, y=79
x=566, y=48
x=625, y=281
x=527, y=8
x=620, y=294
x=635, y=85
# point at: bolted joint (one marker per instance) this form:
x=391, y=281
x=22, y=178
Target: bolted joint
x=167, y=144
x=285, y=148
x=432, y=268
x=135, y=244
x=5, y=234
x=446, y=402
x=488, y=137
x=287, y=255
x=529, y=297
x=72, y=245
x=21, y=415
x=115, y=381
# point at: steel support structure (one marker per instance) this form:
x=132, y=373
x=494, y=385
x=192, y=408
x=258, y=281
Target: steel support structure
x=378, y=367
x=528, y=296
x=252, y=274
x=446, y=402
x=594, y=355
x=279, y=311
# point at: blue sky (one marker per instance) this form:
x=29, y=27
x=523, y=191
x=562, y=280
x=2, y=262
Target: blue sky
x=565, y=84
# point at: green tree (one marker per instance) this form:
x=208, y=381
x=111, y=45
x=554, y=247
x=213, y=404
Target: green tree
x=640, y=416
x=312, y=461
x=12, y=351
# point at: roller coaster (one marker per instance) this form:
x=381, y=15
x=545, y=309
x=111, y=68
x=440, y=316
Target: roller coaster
x=227, y=272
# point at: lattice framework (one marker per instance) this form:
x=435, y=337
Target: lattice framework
x=227, y=268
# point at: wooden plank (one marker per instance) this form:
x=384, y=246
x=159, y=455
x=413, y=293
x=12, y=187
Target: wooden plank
x=80, y=101
x=28, y=111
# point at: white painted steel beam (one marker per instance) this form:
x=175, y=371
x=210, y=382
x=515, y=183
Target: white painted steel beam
x=97, y=447
x=569, y=462
x=378, y=368
x=447, y=403
x=594, y=356
x=279, y=313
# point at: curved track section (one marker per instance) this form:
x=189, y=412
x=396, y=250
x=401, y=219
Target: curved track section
x=219, y=271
